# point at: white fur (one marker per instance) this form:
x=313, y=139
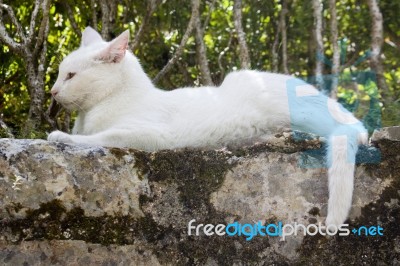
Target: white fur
x=120, y=107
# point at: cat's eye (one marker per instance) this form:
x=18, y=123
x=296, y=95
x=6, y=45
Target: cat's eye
x=70, y=75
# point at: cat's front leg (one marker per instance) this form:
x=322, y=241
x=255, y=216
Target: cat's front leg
x=59, y=136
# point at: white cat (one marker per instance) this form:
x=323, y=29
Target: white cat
x=120, y=107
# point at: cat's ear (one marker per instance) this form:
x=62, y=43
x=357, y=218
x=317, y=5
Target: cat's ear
x=116, y=49
x=89, y=36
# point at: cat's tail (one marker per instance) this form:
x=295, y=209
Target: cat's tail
x=342, y=148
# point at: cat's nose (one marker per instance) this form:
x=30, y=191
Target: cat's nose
x=54, y=92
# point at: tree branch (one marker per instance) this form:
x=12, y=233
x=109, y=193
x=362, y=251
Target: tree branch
x=13, y=45
x=43, y=52
x=94, y=15
x=44, y=24
x=317, y=12
x=201, y=53
x=112, y=5
x=376, y=44
x=282, y=22
x=15, y=21
x=179, y=50
x=6, y=39
x=274, y=50
x=207, y=20
x=335, y=48
x=33, y=20
x=221, y=68
x=243, y=50
x=151, y=7
x=72, y=20
x=105, y=19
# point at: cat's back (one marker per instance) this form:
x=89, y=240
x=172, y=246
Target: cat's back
x=241, y=91
x=239, y=85
x=245, y=76
x=253, y=83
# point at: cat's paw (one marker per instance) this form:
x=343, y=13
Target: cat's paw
x=59, y=136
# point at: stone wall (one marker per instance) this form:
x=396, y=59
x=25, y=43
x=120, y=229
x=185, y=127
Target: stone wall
x=66, y=204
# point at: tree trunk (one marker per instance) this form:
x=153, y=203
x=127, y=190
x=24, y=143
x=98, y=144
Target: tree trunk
x=274, y=52
x=282, y=23
x=201, y=52
x=94, y=14
x=317, y=12
x=335, y=49
x=32, y=48
x=243, y=50
x=376, y=45
x=108, y=14
x=36, y=93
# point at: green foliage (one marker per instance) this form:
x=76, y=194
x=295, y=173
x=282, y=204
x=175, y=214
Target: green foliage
x=365, y=100
x=260, y=18
x=14, y=97
x=391, y=113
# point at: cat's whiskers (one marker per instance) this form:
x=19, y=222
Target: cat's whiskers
x=76, y=105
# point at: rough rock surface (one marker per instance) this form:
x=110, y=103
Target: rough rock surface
x=72, y=205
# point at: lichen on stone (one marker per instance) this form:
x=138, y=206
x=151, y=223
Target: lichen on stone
x=127, y=206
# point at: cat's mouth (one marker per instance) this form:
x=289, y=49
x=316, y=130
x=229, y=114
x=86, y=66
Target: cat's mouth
x=69, y=105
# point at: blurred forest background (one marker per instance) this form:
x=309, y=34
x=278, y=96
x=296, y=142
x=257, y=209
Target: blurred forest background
x=348, y=48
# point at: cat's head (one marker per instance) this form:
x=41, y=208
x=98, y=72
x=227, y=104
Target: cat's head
x=92, y=72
